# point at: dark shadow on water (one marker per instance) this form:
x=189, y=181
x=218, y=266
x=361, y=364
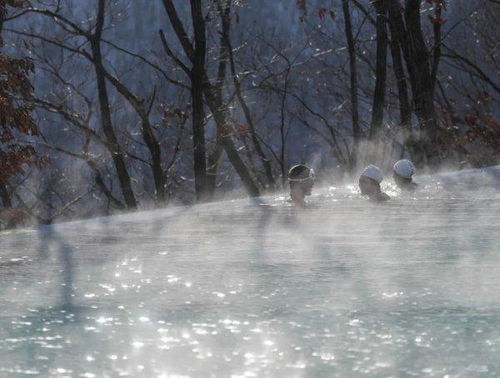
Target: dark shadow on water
x=42, y=329
x=52, y=241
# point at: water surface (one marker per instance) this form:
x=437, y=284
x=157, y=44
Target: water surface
x=344, y=288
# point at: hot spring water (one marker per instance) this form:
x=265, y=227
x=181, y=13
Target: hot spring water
x=347, y=287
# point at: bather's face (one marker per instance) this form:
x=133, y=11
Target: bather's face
x=368, y=186
x=307, y=187
x=401, y=181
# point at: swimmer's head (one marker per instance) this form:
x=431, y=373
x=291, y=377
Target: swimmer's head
x=301, y=178
x=403, y=172
x=370, y=179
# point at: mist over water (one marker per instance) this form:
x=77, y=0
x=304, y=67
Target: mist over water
x=345, y=287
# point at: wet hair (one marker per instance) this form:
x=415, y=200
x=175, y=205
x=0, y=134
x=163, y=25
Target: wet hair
x=299, y=173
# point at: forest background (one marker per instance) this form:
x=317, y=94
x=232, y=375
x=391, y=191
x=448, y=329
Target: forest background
x=109, y=106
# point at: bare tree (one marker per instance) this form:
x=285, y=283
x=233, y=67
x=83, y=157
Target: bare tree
x=399, y=72
x=376, y=125
x=200, y=82
x=353, y=77
x=418, y=63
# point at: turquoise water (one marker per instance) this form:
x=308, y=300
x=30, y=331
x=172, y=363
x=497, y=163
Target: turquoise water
x=344, y=288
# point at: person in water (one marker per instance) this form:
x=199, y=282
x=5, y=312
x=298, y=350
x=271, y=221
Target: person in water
x=403, y=172
x=301, y=179
x=369, y=184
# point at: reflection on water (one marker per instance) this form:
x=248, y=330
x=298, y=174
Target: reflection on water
x=347, y=287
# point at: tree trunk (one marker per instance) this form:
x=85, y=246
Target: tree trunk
x=356, y=130
x=197, y=55
x=5, y=196
x=200, y=82
x=212, y=167
x=217, y=88
x=397, y=62
x=377, y=120
x=199, y=153
x=197, y=86
x=117, y=155
x=159, y=176
x=230, y=149
x=266, y=162
x=423, y=95
x=283, y=135
x=215, y=101
x=438, y=10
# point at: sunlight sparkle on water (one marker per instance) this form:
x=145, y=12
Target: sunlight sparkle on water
x=346, y=287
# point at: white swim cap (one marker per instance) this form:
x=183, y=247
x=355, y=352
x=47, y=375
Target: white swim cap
x=404, y=168
x=373, y=172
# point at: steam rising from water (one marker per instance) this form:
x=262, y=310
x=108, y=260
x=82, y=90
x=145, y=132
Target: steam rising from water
x=346, y=287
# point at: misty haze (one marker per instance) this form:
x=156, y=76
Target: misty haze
x=249, y=188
